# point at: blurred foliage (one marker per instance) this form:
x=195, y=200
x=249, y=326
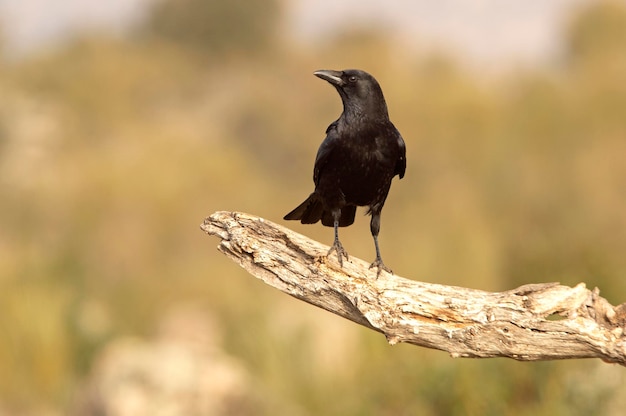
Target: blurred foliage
x=599, y=34
x=112, y=152
x=213, y=26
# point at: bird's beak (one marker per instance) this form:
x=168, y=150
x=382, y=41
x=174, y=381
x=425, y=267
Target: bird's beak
x=334, y=77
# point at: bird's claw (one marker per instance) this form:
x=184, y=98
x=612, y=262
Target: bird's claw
x=378, y=263
x=341, y=253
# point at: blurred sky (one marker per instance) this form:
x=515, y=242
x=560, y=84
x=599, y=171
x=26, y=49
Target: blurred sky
x=484, y=32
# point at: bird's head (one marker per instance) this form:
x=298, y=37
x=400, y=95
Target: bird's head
x=360, y=92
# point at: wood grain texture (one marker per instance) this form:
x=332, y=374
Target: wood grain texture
x=533, y=322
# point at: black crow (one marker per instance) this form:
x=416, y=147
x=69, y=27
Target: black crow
x=356, y=162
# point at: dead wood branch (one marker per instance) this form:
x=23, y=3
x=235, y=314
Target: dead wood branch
x=533, y=322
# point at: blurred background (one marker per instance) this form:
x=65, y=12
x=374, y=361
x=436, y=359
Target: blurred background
x=124, y=123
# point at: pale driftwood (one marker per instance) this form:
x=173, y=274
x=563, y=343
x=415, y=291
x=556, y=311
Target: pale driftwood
x=533, y=322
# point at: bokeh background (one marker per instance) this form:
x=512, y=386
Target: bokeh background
x=123, y=126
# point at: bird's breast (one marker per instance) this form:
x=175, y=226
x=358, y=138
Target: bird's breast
x=364, y=170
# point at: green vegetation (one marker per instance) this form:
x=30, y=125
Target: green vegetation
x=113, y=151
x=214, y=27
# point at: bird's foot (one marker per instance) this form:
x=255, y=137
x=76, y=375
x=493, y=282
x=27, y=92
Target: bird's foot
x=341, y=253
x=378, y=263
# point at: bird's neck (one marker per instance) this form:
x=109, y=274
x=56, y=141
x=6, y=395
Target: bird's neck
x=372, y=113
x=355, y=116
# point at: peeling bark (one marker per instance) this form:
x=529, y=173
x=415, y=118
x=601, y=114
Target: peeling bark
x=533, y=322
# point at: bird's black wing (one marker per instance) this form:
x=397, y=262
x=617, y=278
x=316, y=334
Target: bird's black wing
x=323, y=153
x=401, y=162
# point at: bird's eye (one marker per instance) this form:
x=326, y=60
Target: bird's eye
x=353, y=78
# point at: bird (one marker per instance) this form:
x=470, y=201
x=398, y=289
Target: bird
x=356, y=162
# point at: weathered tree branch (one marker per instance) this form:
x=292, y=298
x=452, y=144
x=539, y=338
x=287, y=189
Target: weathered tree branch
x=533, y=322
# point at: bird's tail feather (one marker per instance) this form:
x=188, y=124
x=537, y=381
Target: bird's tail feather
x=308, y=212
x=347, y=217
x=312, y=210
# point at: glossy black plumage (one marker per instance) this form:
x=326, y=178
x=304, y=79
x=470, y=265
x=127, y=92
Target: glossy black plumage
x=356, y=162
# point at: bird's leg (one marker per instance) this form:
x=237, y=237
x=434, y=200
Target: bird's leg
x=337, y=247
x=378, y=263
x=375, y=228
